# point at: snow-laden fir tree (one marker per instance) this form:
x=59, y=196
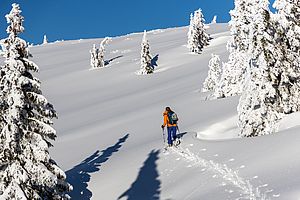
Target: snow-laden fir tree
x=242, y=16
x=26, y=168
x=234, y=71
x=214, y=73
x=233, y=75
x=45, y=40
x=97, y=55
x=259, y=106
x=146, y=67
x=102, y=51
x=197, y=36
x=214, y=20
x=94, y=61
x=288, y=39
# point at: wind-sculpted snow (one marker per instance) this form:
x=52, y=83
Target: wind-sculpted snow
x=248, y=191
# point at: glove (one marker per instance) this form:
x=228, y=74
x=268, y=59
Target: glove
x=162, y=126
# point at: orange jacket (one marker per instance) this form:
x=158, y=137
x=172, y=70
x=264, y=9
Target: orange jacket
x=166, y=120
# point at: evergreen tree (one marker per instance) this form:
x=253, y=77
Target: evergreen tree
x=97, y=55
x=146, y=67
x=214, y=20
x=94, y=57
x=214, y=73
x=234, y=71
x=102, y=51
x=26, y=169
x=197, y=37
x=242, y=17
x=233, y=75
x=259, y=106
x=45, y=40
x=288, y=39
x=257, y=109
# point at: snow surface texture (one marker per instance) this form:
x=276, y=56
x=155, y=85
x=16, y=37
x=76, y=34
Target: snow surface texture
x=109, y=136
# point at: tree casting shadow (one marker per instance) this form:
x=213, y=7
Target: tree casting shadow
x=79, y=176
x=154, y=61
x=106, y=62
x=146, y=186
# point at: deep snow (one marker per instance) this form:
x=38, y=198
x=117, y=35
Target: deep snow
x=109, y=136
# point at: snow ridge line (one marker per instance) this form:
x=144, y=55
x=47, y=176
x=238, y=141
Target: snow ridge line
x=248, y=191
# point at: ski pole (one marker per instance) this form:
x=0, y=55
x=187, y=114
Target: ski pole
x=178, y=129
x=163, y=130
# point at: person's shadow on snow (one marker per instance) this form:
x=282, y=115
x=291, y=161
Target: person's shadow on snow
x=79, y=176
x=180, y=135
x=146, y=186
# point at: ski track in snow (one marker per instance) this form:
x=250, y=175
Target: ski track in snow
x=231, y=176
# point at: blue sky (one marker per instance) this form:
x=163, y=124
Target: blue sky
x=75, y=19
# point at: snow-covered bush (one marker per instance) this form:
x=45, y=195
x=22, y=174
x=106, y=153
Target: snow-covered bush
x=26, y=168
x=146, y=67
x=197, y=36
x=214, y=73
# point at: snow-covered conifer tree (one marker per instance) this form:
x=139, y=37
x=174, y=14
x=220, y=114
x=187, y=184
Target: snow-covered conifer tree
x=97, y=55
x=240, y=24
x=214, y=20
x=102, y=51
x=234, y=71
x=233, y=75
x=259, y=106
x=288, y=39
x=26, y=168
x=197, y=36
x=45, y=40
x=146, y=67
x=94, y=57
x=214, y=73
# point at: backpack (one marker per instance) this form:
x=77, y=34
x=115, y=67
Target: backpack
x=172, y=118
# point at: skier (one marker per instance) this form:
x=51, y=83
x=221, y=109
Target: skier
x=170, y=120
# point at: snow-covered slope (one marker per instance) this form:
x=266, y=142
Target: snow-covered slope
x=109, y=135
